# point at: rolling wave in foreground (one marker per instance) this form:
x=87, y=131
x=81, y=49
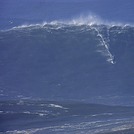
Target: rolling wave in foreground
x=67, y=63
x=49, y=117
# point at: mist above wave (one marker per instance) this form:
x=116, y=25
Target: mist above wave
x=89, y=20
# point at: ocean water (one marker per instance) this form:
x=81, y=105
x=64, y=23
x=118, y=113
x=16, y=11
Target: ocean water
x=66, y=67
x=50, y=117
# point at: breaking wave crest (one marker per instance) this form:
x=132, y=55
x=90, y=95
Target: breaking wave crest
x=88, y=20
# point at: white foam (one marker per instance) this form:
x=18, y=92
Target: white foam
x=27, y=112
x=56, y=106
x=1, y=112
x=105, y=51
x=93, y=127
x=90, y=19
x=103, y=114
x=123, y=127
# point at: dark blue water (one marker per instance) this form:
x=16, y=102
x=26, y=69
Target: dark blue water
x=47, y=117
x=66, y=67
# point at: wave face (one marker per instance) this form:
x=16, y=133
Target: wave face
x=58, y=61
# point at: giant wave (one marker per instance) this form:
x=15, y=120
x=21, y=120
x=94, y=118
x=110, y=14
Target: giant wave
x=48, y=71
x=58, y=60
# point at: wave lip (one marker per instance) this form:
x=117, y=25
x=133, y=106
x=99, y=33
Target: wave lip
x=88, y=20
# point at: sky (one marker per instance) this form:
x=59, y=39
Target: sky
x=16, y=12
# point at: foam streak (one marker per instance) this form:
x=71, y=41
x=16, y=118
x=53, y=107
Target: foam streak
x=106, y=51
